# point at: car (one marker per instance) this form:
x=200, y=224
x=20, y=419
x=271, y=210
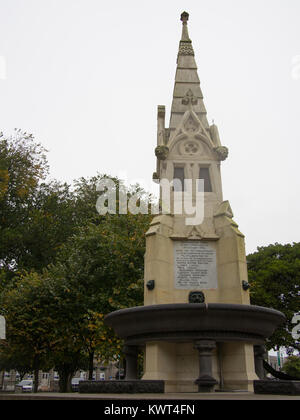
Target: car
x=75, y=384
x=24, y=386
x=120, y=374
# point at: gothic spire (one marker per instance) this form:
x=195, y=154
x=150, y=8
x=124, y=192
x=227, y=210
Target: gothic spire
x=187, y=91
x=185, y=46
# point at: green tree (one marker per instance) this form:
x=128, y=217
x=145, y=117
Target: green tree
x=104, y=263
x=274, y=275
x=22, y=165
x=292, y=366
x=43, y=326
x=29, y=324
x=55, y=315
x=11, y=358
x=35, y=217
x=51, y=219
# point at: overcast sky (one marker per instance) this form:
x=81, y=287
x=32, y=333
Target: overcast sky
x=86, y=76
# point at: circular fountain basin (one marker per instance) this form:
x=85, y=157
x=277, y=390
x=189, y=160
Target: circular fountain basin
x=189, y=322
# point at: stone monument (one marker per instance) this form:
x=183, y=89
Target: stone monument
x=210, y=257
x=197, y=327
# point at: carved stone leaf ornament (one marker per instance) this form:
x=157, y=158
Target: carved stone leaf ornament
x=155, y=176
x=222, y=152
x=161, y=152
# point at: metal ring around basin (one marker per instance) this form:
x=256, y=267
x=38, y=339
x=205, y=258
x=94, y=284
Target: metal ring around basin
x=189, y=322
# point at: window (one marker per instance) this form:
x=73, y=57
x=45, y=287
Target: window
x=204, y=174
x=178, y=179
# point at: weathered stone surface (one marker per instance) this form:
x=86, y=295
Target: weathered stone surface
x=275, y=387
x=121, y=387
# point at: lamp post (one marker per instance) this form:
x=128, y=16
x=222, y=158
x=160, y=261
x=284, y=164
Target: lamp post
x=2, y=328
x=2, y=337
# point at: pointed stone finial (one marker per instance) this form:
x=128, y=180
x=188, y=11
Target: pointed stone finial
x=184, y=18
x=185, y=47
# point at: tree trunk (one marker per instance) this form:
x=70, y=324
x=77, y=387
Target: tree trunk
x=91, y=365
x=2, y=380
x=36, y=367
x=65, y=378
x=22, y=374
x=69, y=382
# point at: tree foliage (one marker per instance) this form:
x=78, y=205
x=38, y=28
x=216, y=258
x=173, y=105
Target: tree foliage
x=292, y=366
x=68, y=269
x=274, y=275
x=36, y=217
x=22, y=165
x=104, y=264
x=30, y=326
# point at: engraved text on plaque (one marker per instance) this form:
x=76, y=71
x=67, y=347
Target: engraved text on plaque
x=195, y=265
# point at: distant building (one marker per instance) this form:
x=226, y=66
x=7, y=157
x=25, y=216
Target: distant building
x=276, y=361
x=48, y=381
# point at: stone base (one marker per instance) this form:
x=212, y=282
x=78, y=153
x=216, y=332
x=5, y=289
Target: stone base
x=244, y=385
x=122, y=387
x=206, y=383
x=180, y=386
x=275, y=387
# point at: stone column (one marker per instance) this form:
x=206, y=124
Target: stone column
x=131, y=354
x=259, y=354
x=206, y=382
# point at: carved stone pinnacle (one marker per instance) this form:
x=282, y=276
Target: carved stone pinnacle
x=184, y=17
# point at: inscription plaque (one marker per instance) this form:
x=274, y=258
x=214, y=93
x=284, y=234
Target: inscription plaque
x=195, y=265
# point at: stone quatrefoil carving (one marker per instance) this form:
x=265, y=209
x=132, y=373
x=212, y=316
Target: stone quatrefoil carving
x=191, y=148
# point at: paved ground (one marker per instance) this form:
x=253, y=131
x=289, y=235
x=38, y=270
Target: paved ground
x=177, y=397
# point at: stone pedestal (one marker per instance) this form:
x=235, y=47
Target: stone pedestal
x=160, y=363
x=206, y=382
x=238, y=366
x=131, y=355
